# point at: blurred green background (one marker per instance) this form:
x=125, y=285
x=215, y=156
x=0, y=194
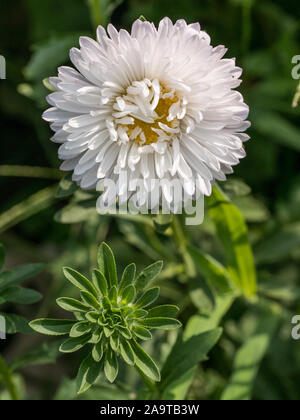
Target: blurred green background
x=263, y=35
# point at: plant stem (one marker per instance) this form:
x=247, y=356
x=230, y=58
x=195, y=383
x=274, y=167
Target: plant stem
x=30, y=172
x=96, y=13
x=7, y=379
x=181, y=242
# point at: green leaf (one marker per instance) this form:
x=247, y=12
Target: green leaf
x=90, y=299
x=19, y=274
x=18, y=294
x=2, y=256
x=80, y=328
x=97, y=335
x=107, y=264
x=79, y=281
x=148, y=275
x=127, y=352
x=77, y=212
x=52, y=326
x=73, y=344
x=279, y=246
x=100, y=282
x=97, y=352
x=185, y=355
x=211, y=269
x=66, y=187
x=111, y=366
x=128, y=294
x=278, y=128
x=70, y=304
x=49, y=55
x=138, y=313
x=128, y=277
x=144, y=362
x=114, y=341
x=113, y=294
x=92, y=316
x=16, y=324
x=125, y=332
x=142, y=332
x=252, y=210
x=163, y=310
x=88, y=373
x=27, y=208
x=248, y=359
x=160, y=323
x=44, y=354
x=236, y=188
x=148, y=297
x=233, y=233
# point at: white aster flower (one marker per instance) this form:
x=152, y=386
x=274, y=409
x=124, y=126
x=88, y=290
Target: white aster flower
x=158, y=103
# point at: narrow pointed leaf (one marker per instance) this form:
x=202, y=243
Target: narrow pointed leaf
x=80, y=328
x=142, y=332
x=97, y=352
x=113, y=294
x=128, y=294
x=73, y=344
x=127, y=277
x=111, y=366
x=148, y=275
x=52, y=326
x=90, y=299
x=70, y=304
x=17, y=294
x=211, y=270
x=233, y=234
x=100, y=282
x=114, y=342
x=107, y=264
x=148, y=297
x=92, y=316
x=138, y=313
x=19, y=274
x=145, y=363
x=127, y=352
x=88, y=373
x=79, y=280
x=160, y=323
x=168, y=311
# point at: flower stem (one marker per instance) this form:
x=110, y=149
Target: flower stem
x=30, y=172
x=181, y=242
x=97, y=16
x=6, y=376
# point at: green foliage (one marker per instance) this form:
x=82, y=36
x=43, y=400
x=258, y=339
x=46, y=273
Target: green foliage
x=113, y=320
x=210, y=272
x=10, y=292
x=233, y=233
